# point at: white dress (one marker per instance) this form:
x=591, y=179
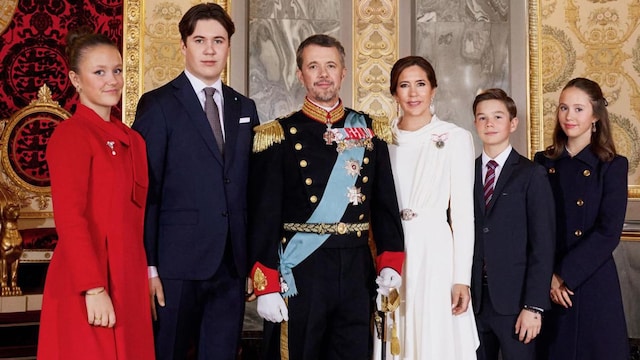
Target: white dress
x=433, y=169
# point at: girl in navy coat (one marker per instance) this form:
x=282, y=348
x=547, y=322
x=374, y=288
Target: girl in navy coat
x=589, y=181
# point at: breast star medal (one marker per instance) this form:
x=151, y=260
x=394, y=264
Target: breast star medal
x=353, y=167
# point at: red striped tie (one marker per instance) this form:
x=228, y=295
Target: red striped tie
x=489, y=181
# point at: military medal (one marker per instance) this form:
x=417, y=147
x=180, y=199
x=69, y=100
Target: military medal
x=439, y=140
x=354, y=195
x=353, y=167
x=112, y=145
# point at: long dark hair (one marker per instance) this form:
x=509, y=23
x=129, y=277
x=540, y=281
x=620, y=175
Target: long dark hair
x=601, y=140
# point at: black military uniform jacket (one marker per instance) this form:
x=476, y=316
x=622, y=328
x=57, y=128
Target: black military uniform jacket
x=291, y=166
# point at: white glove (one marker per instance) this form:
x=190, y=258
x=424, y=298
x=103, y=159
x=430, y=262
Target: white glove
x=271, y=307
x=388, y=279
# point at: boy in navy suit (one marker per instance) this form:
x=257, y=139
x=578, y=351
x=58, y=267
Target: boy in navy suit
x=515, y=236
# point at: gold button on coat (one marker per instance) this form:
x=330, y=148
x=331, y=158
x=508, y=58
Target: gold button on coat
x=579, y=202
x=578, y=233
x=303, y=163
x=365, y=179
x=284, y=240
x=586, y=173
x=364, y=197
x=313, y=199
x=293, y=131
x=361, y=217
x=308, y=181
x=365, y=160
x=298, y=146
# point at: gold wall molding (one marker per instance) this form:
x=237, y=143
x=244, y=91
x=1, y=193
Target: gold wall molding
x=151, y=50
x=375, y=50
x=599, y=41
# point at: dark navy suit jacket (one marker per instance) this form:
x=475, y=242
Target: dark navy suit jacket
x=515, y=235
x=197, y=199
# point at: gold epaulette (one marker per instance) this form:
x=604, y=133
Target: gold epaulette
x=382, y=128
x=267, y=134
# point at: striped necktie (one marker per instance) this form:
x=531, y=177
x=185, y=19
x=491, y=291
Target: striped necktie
x=489, y=181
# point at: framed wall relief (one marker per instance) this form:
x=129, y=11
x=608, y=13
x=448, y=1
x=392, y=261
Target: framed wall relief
x=600, y=41
x=151, y=49
x=23, y=145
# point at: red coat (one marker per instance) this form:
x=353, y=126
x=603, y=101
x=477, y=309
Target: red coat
x=99, y=184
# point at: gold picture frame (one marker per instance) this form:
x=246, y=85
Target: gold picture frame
x=535, y=105
x=151, y=47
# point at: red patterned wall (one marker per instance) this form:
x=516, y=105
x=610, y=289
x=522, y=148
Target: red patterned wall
x=32, y=48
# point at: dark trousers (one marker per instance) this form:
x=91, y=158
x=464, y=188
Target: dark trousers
x=207, y=314
x=497, y=333
x=330, y=317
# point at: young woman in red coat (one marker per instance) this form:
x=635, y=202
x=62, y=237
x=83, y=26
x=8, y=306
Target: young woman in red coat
x=96, y=299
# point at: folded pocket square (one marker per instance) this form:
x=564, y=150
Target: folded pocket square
x=244, y=120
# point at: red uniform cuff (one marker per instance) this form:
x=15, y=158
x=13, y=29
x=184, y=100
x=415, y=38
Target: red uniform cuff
x=391, y=259
x=265, y=280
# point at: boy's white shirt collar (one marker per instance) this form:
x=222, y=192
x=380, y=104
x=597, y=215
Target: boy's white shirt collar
x=501, y=159
x=199, y=85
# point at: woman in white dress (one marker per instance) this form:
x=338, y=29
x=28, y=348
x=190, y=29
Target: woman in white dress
x=433, y=169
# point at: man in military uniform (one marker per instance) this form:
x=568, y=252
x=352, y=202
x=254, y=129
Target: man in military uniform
x=321, y=182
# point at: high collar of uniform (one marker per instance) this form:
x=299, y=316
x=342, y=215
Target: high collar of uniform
x=321, y=115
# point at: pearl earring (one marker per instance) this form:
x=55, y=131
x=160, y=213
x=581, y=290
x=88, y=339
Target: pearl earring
x=593, y=127
x=432, y=108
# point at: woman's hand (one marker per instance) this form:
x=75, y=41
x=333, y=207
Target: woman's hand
x=460, y=298
x=99, y=308
x=559, y=292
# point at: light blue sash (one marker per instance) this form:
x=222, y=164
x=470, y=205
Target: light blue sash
x=331, y=208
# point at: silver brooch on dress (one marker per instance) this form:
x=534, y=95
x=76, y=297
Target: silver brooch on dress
x=439, y=139
x=112, y=146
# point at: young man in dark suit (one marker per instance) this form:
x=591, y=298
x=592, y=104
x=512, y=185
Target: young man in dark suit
x=199, y=136
x=515, y=236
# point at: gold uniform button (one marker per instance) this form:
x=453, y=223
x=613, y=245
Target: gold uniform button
x=364, y=197
x=313, y=199
x=579, y=202
x=308, y=181
x=586, y=173
x=365, y=160
x=293, y=131
x=284, y=240
x=365, y=179
x=361, y=217
x=359, y=233
x=303, y=163
x=298, y=146
x=578, y=233
x=552, y=170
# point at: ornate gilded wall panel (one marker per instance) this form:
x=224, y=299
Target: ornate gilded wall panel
x=375, y=49
x=600, y=41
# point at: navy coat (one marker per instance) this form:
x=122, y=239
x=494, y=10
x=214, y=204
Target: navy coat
x=591, y=201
